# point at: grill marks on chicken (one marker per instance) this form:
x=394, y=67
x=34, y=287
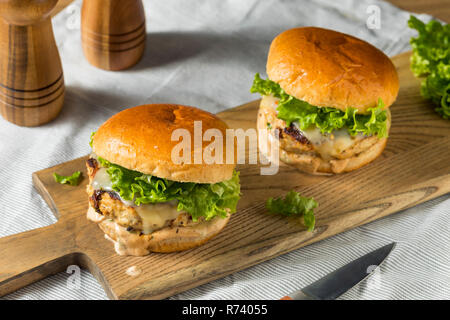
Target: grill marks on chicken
x=109, y=204
x=295, y=133
x=97, y=196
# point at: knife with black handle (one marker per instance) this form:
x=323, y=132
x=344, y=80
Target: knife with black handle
x=341, y=280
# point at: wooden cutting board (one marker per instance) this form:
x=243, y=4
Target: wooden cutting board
x=415, y=167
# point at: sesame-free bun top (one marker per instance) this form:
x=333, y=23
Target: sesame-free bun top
x=331, y=69
x=139, y=139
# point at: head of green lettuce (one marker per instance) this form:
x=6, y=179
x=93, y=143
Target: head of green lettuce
x=326, y=98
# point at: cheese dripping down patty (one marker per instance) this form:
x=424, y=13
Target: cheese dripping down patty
x=327, y=145
x=153, y=216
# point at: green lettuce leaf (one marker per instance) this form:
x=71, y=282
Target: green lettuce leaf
x=431, y=59
x=198, y=199
x=294, y=205
x=326, y=119
x=73, y=180
x=91, y=140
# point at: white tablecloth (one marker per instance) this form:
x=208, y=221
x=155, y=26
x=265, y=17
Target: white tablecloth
x=205, y=53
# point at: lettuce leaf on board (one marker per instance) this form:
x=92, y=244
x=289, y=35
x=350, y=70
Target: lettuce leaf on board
x=327, y=119
x=294, y=205
x=72, y=180
x=431, y=59
x=91, y=140
x=198, y=199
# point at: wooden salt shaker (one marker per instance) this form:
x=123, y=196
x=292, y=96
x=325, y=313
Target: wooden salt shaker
x=113, y=32
x=31, y=76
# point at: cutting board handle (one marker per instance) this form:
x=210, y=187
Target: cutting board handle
x=31, y=256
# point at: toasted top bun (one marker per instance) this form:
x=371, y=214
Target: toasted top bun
x=140, y=139
x=330, y=69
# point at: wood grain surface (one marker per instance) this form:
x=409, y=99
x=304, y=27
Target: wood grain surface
x=437, y=8
x=31, y=76
x=113, y=33
x=61, y=5
x=414, y=168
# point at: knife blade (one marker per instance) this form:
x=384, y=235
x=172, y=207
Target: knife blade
x=341, y=280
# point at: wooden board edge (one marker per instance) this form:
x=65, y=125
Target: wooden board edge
x=44, y=193
x=267, y=249
x=270, y=249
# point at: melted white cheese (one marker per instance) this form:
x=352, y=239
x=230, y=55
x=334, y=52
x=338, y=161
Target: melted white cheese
x=102, y=180
x=269, y=101
x=155, y=216
x=329, y=145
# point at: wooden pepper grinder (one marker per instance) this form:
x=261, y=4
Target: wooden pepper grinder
x=31, y=77
x=113, y=32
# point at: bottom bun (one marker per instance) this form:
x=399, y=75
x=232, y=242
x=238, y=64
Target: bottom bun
x=316, y=165
x=168, y=239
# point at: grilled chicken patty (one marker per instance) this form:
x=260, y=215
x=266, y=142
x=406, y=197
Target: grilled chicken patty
x=109, y=204
x=294, y=140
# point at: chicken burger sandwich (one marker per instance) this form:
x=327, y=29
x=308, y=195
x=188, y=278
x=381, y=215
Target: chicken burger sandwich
x=144, y=201
x=326, y=99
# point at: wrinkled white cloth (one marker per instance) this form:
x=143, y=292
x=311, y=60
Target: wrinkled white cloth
x=205, y=53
